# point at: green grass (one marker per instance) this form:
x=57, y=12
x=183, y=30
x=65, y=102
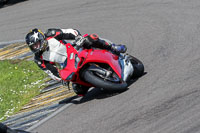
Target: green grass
x=20, y=80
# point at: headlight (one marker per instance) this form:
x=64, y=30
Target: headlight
x=77, y=59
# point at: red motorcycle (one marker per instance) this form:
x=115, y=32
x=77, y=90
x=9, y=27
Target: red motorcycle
x=99, y=68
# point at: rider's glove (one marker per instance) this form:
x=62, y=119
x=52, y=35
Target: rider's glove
x=79, y=40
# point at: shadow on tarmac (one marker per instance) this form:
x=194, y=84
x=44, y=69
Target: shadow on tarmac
x=96, y=93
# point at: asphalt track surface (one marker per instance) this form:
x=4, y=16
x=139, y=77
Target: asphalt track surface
x=164, y=34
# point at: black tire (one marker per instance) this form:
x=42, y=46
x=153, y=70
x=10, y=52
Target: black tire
x=98, y=82
x=138, y=67
x=5, y=2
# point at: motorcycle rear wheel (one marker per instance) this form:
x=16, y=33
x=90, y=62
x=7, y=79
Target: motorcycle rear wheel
x=99, y=82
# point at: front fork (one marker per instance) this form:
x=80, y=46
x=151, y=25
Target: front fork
x=126, y=66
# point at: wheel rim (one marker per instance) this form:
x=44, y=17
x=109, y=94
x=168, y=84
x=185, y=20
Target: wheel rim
x=112, y=78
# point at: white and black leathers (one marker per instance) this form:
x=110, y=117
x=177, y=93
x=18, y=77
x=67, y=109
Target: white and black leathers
x=55, y=52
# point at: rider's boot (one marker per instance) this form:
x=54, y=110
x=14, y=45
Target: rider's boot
x=117, y=49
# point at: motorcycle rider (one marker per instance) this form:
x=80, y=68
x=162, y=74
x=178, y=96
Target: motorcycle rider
x=48, y=50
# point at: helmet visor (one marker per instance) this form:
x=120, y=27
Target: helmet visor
x=35, y=47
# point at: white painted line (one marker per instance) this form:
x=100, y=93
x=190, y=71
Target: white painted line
x=51, y=116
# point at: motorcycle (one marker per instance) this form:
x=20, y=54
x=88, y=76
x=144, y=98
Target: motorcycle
x=99, y=68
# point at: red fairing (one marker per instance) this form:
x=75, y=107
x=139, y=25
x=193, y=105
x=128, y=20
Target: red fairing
x=72, y=69
x=103, y=56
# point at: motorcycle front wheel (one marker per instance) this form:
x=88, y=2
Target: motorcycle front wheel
x=105, y=83
x=138, y=67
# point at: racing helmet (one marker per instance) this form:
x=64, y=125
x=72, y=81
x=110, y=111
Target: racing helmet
x=35, y=39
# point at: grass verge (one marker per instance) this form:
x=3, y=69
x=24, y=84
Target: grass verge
x=20, y=80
